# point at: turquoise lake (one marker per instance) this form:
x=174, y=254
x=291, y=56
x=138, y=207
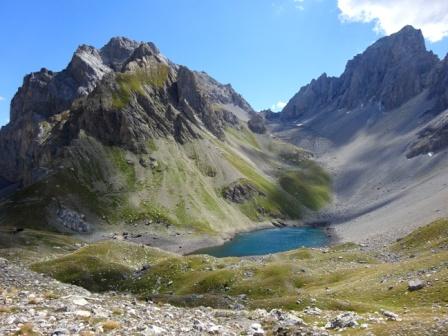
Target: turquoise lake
x=268, y=241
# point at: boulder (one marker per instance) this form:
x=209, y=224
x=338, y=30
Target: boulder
x=255, y=329
x=415, y=285
x=345, y=320
x=285, y=318
x=312, y=311
x=80, y=301
x=391, y=316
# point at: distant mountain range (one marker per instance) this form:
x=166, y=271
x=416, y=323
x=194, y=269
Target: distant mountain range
x=124, y=137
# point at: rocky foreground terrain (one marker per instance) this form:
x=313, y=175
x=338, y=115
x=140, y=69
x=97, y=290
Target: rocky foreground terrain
x=32, y=304
x=348, y=289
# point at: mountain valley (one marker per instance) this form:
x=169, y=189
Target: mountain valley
x=115, y=170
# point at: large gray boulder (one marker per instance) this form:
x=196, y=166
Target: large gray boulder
x=416, y=284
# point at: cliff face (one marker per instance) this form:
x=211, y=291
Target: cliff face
x=434, y=137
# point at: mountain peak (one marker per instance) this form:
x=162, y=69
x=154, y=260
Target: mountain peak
x=409, y=30
x=121, y=41
x=406, y=41
x=86, y=68
x=410, y=37
x=145, y=49
x=117, y=51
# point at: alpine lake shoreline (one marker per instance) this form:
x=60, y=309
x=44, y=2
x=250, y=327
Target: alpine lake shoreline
x=187, y=243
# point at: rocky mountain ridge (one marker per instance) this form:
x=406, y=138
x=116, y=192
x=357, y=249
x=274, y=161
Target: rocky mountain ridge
x=371, y=78
x=47, y=100
x=123, y=136
x=380, y=128
x=388, y=74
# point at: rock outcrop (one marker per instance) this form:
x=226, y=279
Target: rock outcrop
x=270, y=115
x=438, y=90
x=241, y=191
x=117, y=51
x=432, y=139
x=257, y=124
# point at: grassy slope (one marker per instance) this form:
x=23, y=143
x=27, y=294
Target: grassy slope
x=102, y=266
x=30, y=245
x=344, y=278
x=292, y=183
x=110, y=186
x=134, y=82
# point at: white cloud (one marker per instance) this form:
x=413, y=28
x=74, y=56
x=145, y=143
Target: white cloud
x=299, y=4
x=278, y=106
x=2, y=98
x=431, y=16
x=282, y=6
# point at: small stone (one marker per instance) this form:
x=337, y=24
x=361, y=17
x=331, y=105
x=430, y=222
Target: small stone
x=255, y=329
x=82, y=313
x=214, y=330
x=154, y=330
x=344, y=320
x=80, y=301
x=198, y=325
x=60, y=332
x=416, y=284
x=391, y=316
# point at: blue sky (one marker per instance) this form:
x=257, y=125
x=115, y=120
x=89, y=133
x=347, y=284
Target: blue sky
x=267, y=49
